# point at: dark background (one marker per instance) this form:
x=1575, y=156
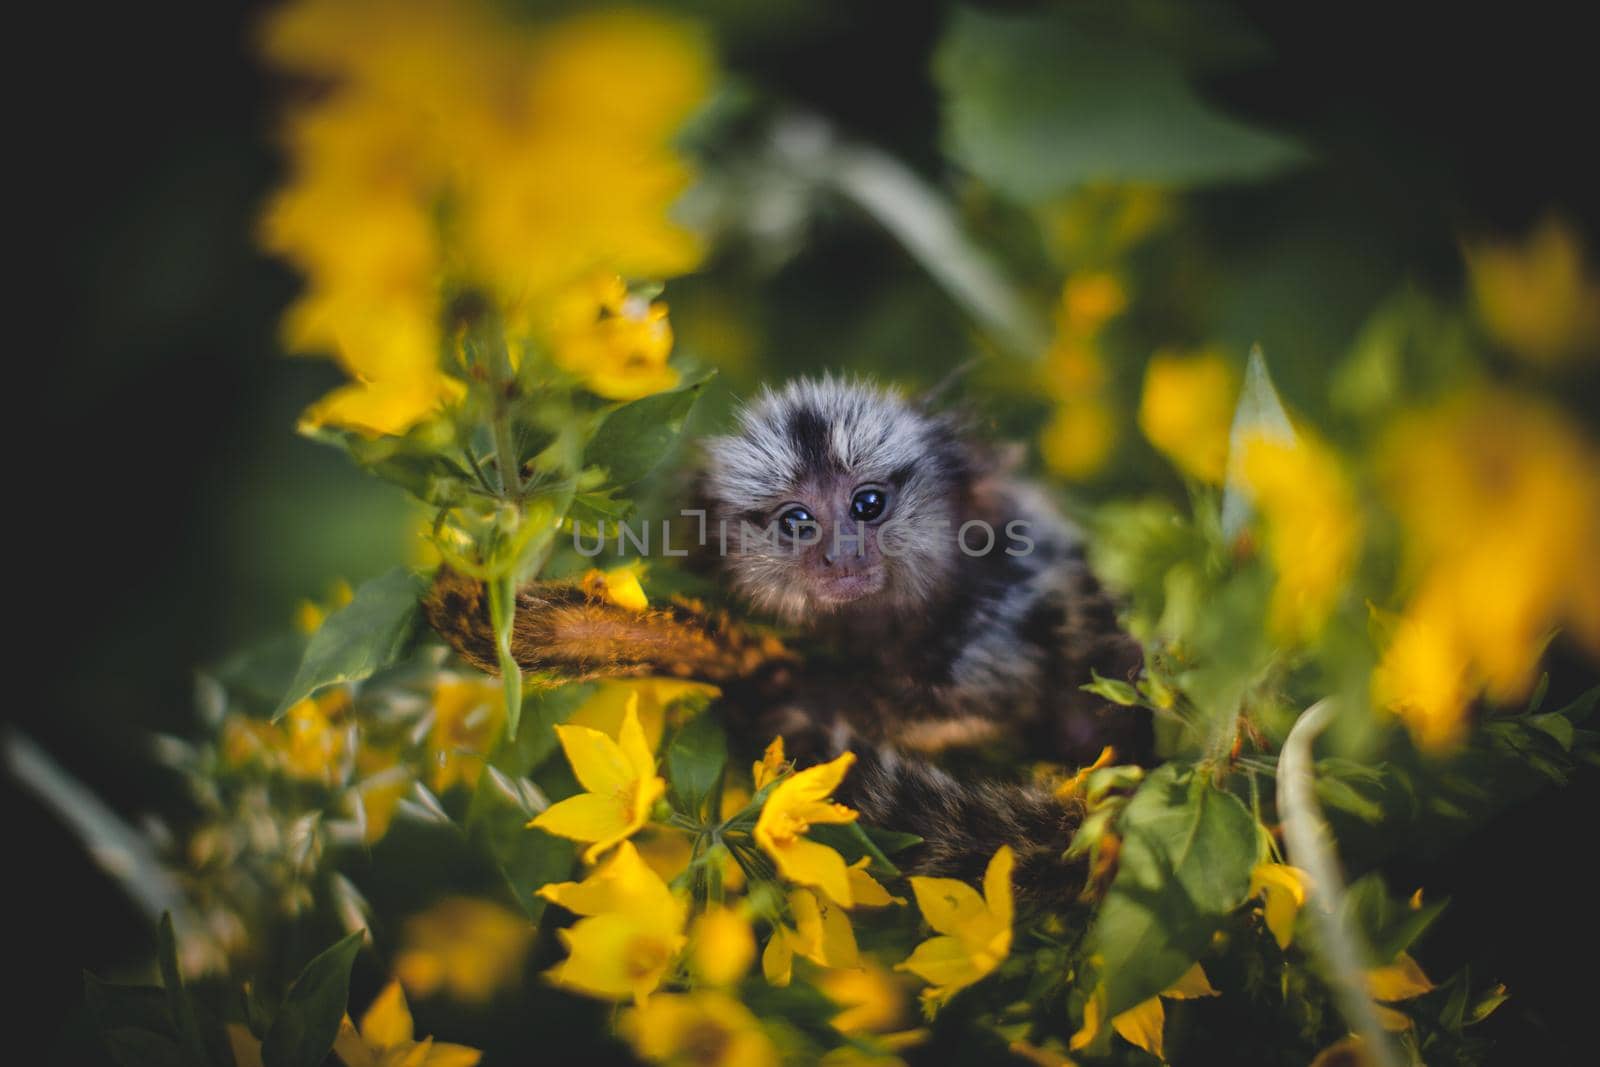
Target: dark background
x=180, y=515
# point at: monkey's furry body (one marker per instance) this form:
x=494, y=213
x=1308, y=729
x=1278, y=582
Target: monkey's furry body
x=940, y=603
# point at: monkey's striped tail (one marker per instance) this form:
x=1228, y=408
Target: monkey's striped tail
x=574, y=633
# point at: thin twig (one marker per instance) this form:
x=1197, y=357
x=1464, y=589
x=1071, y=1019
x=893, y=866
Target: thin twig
x=1310, y=847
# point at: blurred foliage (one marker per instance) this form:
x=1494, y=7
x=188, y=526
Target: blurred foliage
x=1409, y=528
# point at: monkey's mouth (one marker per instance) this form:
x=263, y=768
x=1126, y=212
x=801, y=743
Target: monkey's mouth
x=844, y=588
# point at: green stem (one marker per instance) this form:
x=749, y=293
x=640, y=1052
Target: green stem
x=1310, y=847
x=505, y=452
x=502, y=614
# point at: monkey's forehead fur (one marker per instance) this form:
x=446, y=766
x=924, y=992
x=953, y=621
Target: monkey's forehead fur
x=828, y=426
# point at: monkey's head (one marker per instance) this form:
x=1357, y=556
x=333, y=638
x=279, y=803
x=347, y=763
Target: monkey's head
x=837, y=496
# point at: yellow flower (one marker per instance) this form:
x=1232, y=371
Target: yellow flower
x=976, y=931
x=583, y=177
x=1186, y=411
x=632, y=931
x=1078, y=440
x=246, y=741
x=1536, y=297
x=545, y=172
x=821, y=934
x=469, y=948
x=1282, y=890
x=721, y=946
x=619, y=954
x=770, y=766
x=619, y=586
x=1313, y=528
x=317, y=736
x=618, y=344
x=651, y=698
x=1143, y=1024
x=620, y=782
x=1103, y=219
x=701, y=1029
x=467, y=714
x=384, y=781
x=1499, y=501
x=1425, y=676
x=386, y=1038
x=1089, y=299
x=1070, y=788
x=871, y=1000
x=794, y=806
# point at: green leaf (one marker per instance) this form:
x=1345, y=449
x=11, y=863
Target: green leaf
x=1039, y=103
x=1259, y=414
x=1389, y=926
x=497, y=823
x=636, y=437
x=1187, y=852
x=306, y=1025
x=1335, y=793
x=695, y=758
x=1113, y=690
x=1487, y=1004
x=1580, y=709
x=1556, y=725
x=891, y=841
x=180, y=1006
x=134, y=1023
x=361, y=638
x=851, y=841
x=261, y=674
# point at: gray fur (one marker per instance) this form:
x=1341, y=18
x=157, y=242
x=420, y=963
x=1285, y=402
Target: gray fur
x=946, y=646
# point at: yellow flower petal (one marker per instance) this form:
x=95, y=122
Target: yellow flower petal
x=946, y=961
x=865, y=890
x=777, y=959
x=997, y=885
x=444, y=1054
x=641, y=758
x=1400, y=980
x=770, y=765
x=721, y=947
x=1187, y=409
x=625, y=882
x=585, y=817
x=387, y=1023
x=1193, y=984
x=706, y=1028
x=1142, y=1025
x=809, y=863
x=1283, y=891
x=598, y=762
x=948, y=904
x=619, y=955
x=824, y=930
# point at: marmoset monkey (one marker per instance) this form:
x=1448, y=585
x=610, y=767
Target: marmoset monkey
x=940, y=602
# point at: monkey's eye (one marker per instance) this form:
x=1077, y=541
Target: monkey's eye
x=791, y=521
x=868, y=504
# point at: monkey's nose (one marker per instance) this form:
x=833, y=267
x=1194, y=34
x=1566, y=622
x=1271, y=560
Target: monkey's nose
x=828, y=557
